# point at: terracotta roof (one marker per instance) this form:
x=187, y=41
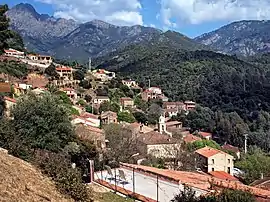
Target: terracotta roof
x=108, y=113
x=223, y=175
x=126, y=99
x=173, y=123
x=89, y=115
x=208, y=152
x=191, y=138
x=63, y=68
x=153, y=138
x=230, y=148
x=5, y=87
x=201, y=181
x=205, y=134
x=171, y=110
x=10, y=99
x=68, y=89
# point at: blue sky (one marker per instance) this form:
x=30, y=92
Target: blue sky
x=190, y=17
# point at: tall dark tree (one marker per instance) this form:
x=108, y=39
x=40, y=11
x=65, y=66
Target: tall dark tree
x=5, y=33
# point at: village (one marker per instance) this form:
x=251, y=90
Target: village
x=144, y=113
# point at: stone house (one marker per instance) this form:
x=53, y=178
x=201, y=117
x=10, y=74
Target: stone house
x=108, y=117
x=126, y=102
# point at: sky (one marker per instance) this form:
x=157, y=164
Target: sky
x=190, y=17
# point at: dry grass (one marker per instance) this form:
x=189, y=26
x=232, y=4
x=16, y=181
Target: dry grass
x=21, y=182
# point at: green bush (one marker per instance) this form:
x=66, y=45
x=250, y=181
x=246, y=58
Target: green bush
x=68, y=180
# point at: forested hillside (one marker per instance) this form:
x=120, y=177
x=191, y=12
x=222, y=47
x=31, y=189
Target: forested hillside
x=211, y=79
x=237, y=92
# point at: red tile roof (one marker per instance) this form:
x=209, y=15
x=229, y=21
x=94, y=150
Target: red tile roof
x=200, y=181
x=63, y=69
x=230, y=148
x=126, y=99
x=205, y=134
x=10, y=99
x=208, y=152
x=89, y=115
x=223, y=175
x=191, y=138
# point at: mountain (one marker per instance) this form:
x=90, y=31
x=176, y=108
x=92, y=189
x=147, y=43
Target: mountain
x=67, y=39
x=245, y=38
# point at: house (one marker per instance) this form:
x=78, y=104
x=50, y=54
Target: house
x=171, y=112
x=10, y=103
x=130, y=83
x=87, y=119
x=205, y=135
x=190, y=105
x=21, y=88
x=126, y=102
x=92, y=134
x=66, y=73
x=137, y=129
x=174, y=125
x=233, y=149
x=14, y=53
x=41, y=59
x=158, y=145
x=71, y=93
x=209, y=159
x=153, y=93
x=189, y=138
x=100, y=99
x=108, y=117
x=103, y=74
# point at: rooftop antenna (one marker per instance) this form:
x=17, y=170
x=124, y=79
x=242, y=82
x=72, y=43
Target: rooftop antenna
x=246, y=137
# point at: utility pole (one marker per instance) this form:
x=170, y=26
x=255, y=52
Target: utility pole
x=90, y=64
x=149, y=83
x=246, y=137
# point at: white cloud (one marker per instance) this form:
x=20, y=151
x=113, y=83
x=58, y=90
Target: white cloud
x=199, y=11
x=118, y=12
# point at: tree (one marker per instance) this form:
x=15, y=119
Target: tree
x=78, y=75
x=51, y=71
x=225, y=195
x=121, y=143
x=203, y=143
x=140, y=117
x=5, y=33
x=42, y=122
x=126, y=117
x=154, y=113
x=200, y=119
x=105, y=106
x=255, y=163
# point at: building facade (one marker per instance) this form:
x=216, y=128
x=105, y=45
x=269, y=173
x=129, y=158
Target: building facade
x=209, y=159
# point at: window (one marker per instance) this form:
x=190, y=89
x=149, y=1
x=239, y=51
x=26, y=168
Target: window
x=213, y=169
x=213, y=161
x=229, y=161
x=229, y=170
